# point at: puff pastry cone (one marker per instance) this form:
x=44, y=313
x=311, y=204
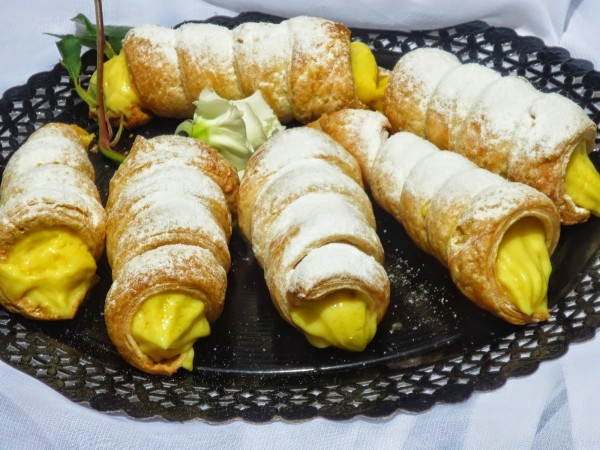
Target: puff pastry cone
x=502, y=124
x=302, y=66
x=169, y=223
x=495, y=236
x=311, y=225
x=52, y=225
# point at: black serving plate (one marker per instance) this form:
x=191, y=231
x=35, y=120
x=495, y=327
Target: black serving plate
x=433, y=346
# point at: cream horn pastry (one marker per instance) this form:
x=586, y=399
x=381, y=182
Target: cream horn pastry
x=169, y=223
x=52, y=225
x=495, y=236
x=503, y=124
x=312, y=229
x=304, y=66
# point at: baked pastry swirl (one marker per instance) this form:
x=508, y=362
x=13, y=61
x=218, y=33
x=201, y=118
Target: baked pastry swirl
x=52, y=225
x=169, y=223
x=494, y=236
x=503, y=124
x=312, y=229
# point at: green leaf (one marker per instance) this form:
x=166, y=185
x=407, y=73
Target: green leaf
x=86, y=41
x=113, y=34
x=88, y=25
x=69, y=48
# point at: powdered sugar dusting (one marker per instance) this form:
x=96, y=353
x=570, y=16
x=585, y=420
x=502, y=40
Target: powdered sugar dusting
x=453, y=189
x=369, y=130
x=461, y=187
x=50, y=179
x=207, y=44
x=310, y=36
x=297, y=144
x=252, y=56
x=556, y=121
x=430, y=173
x=263, y=56
x=310, y=221
x=162, y=40
x=501, y=106
x=457, y=91
x=156, y=217
x=392, y=165
x=331, y=260
x=418, y=73
x=313, y=219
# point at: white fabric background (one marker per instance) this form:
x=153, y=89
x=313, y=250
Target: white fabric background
x=556, y=407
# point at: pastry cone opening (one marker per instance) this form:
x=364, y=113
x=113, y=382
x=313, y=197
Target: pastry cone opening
x=47, y=273
x=523, y=267
x=344, y=318
x=167, y=324
x=582, y=180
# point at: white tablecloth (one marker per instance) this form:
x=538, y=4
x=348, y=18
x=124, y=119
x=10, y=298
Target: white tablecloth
x=556, y=407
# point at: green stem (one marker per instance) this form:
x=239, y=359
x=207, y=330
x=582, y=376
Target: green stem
x=108, y=50
x=91, y=101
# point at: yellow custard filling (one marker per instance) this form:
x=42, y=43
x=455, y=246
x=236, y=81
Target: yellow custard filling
x=523, y=266
x=120, y=96
x=343, y=319
x=582, y=181
x=84, y=137
x=50, y=270
x=168, y=324
x=369, y=85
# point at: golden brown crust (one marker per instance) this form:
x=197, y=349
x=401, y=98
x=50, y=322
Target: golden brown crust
x=447, y=206
x=49, y=183
x=144, y=193
x=360, y=132
x=186, y=151
x=411, y=86
x=206, y=59
x=168, y=228
x=190, y=270
x=473, y=247
x=451, y=101
x=488, y=135
x=154, y=70
x=459, y=214
x=263, y=59
x=548, y=152
x=503, y=124
x=452, y=209
x=43, y=147
x=310, y=223
x=420, y=187
x=177, y=180
x=321, y=70
x=302, y=66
